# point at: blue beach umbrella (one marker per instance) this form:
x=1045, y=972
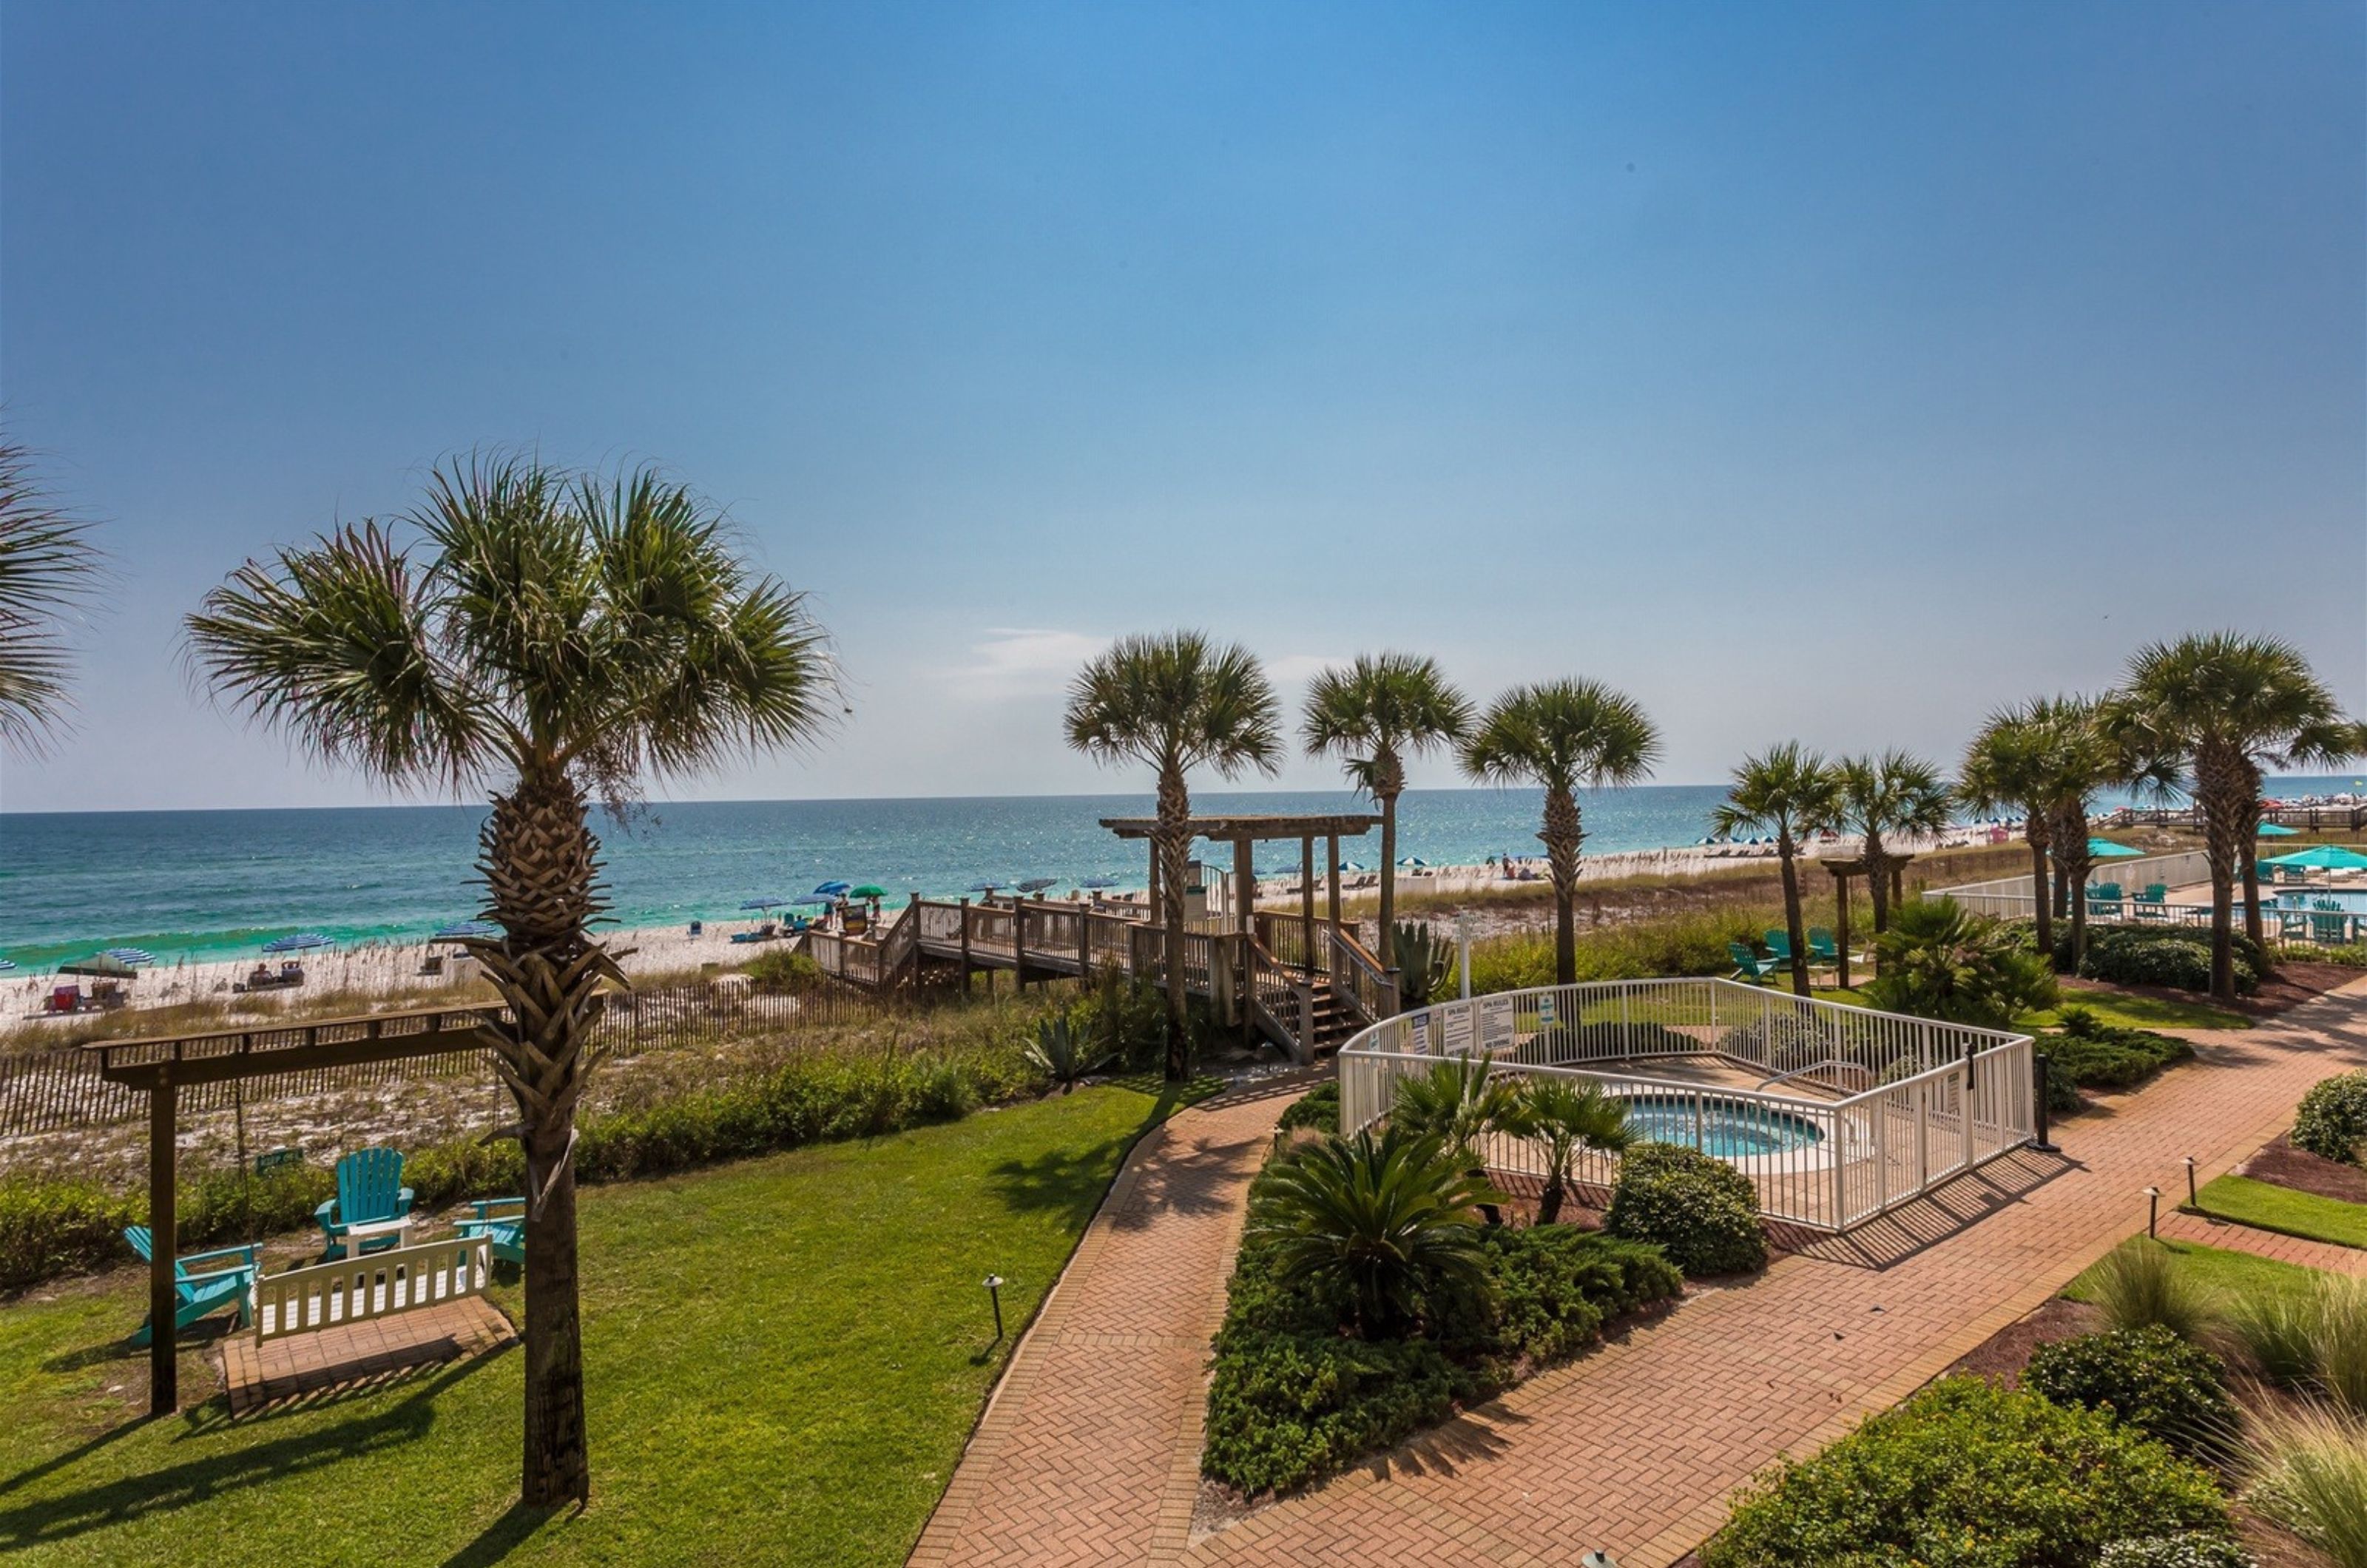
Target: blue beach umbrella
x=1414, y=863
x=985, y=887
x=458, y=929
x=135, y=956
x=834, y=889
x=1098, y=881
x=299, y=943
x=6, y=965
x=1037, y=883
x=811, y=900
x=764, y=903
x=2278, y=831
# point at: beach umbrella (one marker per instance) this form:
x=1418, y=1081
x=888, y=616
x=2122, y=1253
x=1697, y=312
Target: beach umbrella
x=100, y=966
x=2104, y=849
x=810, y=899
x=6, y=965
x=985, y=887
x=1351, y=865
x=1098, y=881
x=833, y=888
x=1414, y=863
x=131, y=955
x=2323, y=857
x=297, y=942
x=764, y=903
x=869, y=890
x=2278, y=831
x=459, y=930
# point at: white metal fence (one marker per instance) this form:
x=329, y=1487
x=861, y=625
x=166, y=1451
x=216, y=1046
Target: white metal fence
x=1856, y=1111
x=2116, y=892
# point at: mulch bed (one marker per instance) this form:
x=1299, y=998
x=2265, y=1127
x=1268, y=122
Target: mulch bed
x=2285, y=1166
x=2002, y=1354
x=2294, y=983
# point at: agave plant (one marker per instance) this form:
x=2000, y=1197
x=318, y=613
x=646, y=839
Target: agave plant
x=1064, y=1054
x=1424, y=963
x=1564, y=1115
x=1387, y=1226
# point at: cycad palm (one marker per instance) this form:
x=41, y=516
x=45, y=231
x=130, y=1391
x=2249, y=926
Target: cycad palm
x=2225, y=708
x=1895, y=794
x=551, y=639
x=1565, y=1116
x=1792, y=791
x=1561, y=735
x=1176, y=702
x=49, y=568
x=1387, y=1225
x=1372, y=713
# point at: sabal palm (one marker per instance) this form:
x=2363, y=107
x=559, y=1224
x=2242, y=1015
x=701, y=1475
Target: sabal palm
x=1791, y=792
x=49, y=569
x=1893, y=794
x=1175, y=702
x=549, y=638
x=2007, y=767
x=1458, y=1101
x=1562, y=736
x=1565, y=1116
x=2081, y=758
x=1374, y=713
x=1388, y=1225
x=2226, y=707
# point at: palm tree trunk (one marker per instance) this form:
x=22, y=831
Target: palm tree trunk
x=2221, y=787
x=2069, y=827
x=1784, y=852
x=2253, y=783
x=1549, y=1199
x=1562, y=836
x=1387, y=947
x=540, y=863
x=1174, y=817
x=2040, y=903
x=1877, y=880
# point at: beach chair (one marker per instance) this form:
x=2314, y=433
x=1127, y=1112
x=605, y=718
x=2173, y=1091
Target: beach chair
x=2104, y=899
x=1748, y=963
x=369, y=1189
x=199, y=1290
x=506, y=1231
x=2155, y=892
x=2329, y=922
x=1778, y=945
x=1822, y=947
x=2293, y=925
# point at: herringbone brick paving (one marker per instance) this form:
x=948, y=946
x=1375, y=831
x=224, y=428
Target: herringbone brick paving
x=1087, y=1454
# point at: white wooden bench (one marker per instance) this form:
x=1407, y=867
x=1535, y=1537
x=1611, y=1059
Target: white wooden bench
x=354, y=1289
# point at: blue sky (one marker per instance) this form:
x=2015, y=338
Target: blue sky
x=1837, y=371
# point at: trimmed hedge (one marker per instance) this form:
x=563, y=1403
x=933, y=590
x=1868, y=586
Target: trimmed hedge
x=2332, y=1119
x=2089, y=1053
x=2146, y=1378
x=1969, y=1475
x=2177, y=957
x=1557, y=1285
x=1702, y=1213
x=1284, y=1409
x=1319, y=1108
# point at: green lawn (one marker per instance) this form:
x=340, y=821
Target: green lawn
x=2274, y=1208
x=2119, y=1009
x=2225, y=1272
x=783, y=1358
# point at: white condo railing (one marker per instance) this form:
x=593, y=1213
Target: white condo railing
x=1908, y=1103
x=2298, y=914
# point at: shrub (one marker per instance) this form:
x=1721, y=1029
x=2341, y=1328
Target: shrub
x=2139, y=1285
x=459, y=1170
x=2145, y=1378
x=1286, y=1409
x=2332, y=1119
x=1703, y=1213
x=223, y=1204
x=1124, y=1018
x=2246, y=951
x=2187, y=1549
x=1556, y=1286
x=1966, y=1474
x=1066, y=1056
x=2091, y=1053
x=1319, y=1108
x=2166, y=955
x=1937, y=961
x=783, y=971
x=50, y=1227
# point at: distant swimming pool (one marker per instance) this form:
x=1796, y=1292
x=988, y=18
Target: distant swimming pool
x=1728, y=1131
x=2353, y=900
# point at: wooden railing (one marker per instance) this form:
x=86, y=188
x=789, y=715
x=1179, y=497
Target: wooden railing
x=1360, y=981
x=354, y=1289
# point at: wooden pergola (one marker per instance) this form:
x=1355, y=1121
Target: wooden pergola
x=1245, y=832
x=163, y=1066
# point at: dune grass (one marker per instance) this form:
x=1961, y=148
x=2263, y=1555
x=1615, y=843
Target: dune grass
x=2270, y=1207
x=784, y=1358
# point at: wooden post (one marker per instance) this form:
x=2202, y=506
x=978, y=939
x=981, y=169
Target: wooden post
x=1331, y=889
x=163, y=1353
x=1153, y=894
x=1840, y=936
x=1245, y=890
x=965, y=943
x=1306, y=896
x=1018, y=942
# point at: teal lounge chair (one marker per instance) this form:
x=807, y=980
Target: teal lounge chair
x=2155, y=892
x=2329, y=922
x=1779, y=945
x=2104, y=898
x=1748, y=963
x=506, y=1231
x=1822, y=947
x=196, y=1293
x=369, y=1189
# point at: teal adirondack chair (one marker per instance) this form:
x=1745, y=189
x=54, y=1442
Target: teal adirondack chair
x=2104, y=898
x=506, y=1231
x=1748, y=963
x=2329, y=922
x=369, y=1188
x=1779, y=945
x=1822, y=947
x=196, y=1291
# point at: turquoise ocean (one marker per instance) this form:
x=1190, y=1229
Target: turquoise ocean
x=202, y=885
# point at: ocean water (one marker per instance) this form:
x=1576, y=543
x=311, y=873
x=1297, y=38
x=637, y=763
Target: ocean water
x=218, y=884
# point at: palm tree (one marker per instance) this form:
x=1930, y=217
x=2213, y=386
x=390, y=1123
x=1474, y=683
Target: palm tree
x=1460, y=1102
x=2006, y=769
x=2224, y=708
x=1563, y=735
x=1177, y=702
x=1387, y=1225
x=1792, y=791
x=1892, y=794
x=1372, y=713
x=49, y=568
x=552, y=638
x=1565, y=1116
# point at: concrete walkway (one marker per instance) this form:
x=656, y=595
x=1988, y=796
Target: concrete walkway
x=1090, y=1452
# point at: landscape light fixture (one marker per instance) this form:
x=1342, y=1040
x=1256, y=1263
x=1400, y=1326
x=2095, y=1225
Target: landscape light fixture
x=2040, y=1073
x=1597, y=1560
x=2153, y=1213
x=994, y=1294
x=2193, y=1202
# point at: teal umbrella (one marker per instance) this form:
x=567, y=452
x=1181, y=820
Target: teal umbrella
x=2322, y=857
x=2277, y=831
x=2104, y=849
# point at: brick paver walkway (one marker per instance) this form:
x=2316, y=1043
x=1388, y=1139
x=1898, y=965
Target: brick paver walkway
x=1634, y=1449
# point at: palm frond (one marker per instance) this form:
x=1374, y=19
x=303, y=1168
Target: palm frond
x=49, y=568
